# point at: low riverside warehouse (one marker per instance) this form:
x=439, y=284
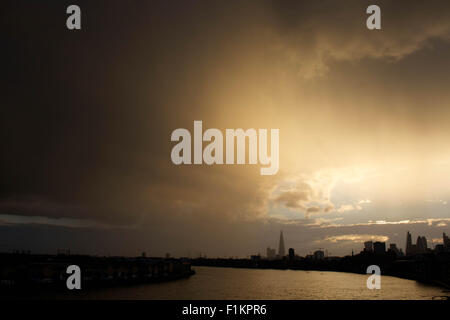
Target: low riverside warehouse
x=18, y=270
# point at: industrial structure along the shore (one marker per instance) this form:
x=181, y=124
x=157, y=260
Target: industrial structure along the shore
x=25, y=270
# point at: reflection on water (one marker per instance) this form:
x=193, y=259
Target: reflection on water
x=229, y=283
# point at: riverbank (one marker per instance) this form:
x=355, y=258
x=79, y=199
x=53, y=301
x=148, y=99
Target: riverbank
x=37, y=272
x=427, y=268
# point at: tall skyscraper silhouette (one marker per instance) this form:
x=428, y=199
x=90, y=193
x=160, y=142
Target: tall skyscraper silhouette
x=408, y=248
x=281, y=251
x=420, y=247
x=446, y=241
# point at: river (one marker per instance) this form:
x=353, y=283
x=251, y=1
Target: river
x=232, y=283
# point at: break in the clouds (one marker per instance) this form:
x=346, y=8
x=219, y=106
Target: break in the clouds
x=313, y=193
x=86, y=121
x=355, y=238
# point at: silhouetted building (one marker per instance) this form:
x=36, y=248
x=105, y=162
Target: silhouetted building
x=255, y=257
x=421, y=245
x=281, y=250
x=63, y=252
x=410, y=248
x=368, y=246
x=393, y=248
x=271, y=253
x=291, y=254
x=319, y=255
x=379, y=247
x=446, y=242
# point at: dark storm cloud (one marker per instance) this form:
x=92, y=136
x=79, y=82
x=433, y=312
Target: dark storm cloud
x=89, y=115
x=315, y=33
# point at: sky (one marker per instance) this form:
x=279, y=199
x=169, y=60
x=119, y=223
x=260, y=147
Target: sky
x=86, y=118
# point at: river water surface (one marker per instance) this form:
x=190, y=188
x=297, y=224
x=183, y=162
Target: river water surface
x=232, y=283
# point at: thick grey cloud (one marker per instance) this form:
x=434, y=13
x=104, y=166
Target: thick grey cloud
x=314, y=34
x=293, y=199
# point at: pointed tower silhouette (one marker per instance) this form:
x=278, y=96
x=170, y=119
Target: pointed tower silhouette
x=408, y=249
x=281, y=250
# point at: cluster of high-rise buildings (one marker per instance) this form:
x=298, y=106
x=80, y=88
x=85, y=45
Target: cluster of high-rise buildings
x=411, y=249
x=420, y=247
x=271, y=254
x=445, y=246
x=376, y=247
x=379, y=247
